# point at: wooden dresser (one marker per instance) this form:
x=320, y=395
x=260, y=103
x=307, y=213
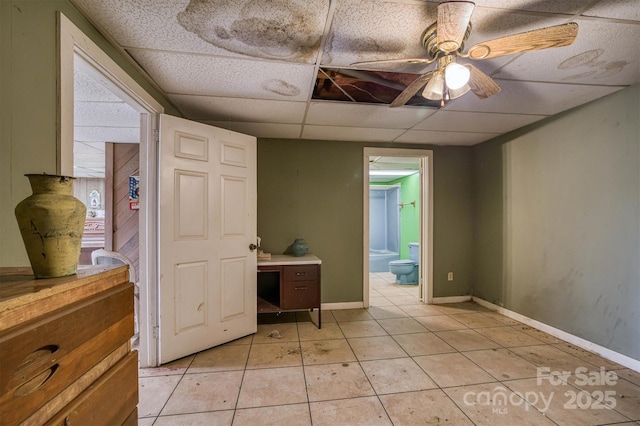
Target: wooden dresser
x=65, y=356
x=287, y=283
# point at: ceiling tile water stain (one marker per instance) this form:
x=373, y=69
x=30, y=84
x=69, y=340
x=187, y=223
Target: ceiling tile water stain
x=271, y=29
x=598, y=69
x=281, y=87
x=288, y=68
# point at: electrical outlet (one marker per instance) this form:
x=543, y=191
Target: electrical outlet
x=450, y=276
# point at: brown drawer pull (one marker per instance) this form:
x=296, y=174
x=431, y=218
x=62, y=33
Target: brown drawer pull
x=301, y=288
x=37, y=356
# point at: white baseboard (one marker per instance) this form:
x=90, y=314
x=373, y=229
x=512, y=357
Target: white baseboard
x=342, y=305
x=621, y=359
x=450, y=299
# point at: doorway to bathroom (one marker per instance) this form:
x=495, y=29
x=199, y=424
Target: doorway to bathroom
x=397, y=216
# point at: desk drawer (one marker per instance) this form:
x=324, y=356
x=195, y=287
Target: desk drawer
x=301, y=273
x=300, y=295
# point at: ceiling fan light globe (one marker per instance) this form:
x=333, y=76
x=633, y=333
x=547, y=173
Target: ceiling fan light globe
x=456, y=76
x=456, y=93
x=435, y=87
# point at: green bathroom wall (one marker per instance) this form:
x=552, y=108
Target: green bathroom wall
x=409, y=214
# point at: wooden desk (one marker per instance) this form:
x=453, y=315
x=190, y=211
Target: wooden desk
x=64, y=346
x=289, y=283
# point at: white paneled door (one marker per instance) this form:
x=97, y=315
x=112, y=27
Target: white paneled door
x=207, y=224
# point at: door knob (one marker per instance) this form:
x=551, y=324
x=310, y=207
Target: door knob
x=252, y=247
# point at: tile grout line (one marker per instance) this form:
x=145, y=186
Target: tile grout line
x=304, y=372
x=244, y=372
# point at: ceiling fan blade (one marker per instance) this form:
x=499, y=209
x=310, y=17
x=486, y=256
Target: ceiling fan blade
x=411, y=90
x=453, y=19
x=543, y=38
x=481, y=84
x=395, y=61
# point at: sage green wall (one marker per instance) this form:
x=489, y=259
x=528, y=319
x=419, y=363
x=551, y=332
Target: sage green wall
x=557, y=221
x=28, y=108
x=409, y=214
x=313, y=190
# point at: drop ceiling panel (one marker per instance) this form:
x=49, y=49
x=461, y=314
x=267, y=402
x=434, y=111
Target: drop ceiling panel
x=348, y=114
x=204, y=75
x=444, y=138
x=89, y=162
x=89, y=148
x=598, y=56
x=261, y=130
x=483, y=122
x=89, y=159
x=547, y=6
x=251, y=66
x=396, y=163
x=107, y=134
x=618, y=9
x=105, y=114
x=521, y=97
x=349, y=133
x=363, y=30
x=86, y=89
x=226, y=28
x=238, y=109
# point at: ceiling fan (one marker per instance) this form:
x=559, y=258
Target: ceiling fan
x=444, y=42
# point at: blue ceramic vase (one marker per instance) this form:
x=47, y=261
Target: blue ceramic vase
x=299, y=247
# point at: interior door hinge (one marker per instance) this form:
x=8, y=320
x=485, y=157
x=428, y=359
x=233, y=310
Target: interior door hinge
x=156, y=332
x=156, y=135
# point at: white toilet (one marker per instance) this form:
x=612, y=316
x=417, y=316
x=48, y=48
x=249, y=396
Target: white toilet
x=406, y=271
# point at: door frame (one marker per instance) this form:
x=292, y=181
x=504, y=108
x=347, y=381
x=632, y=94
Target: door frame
x=426, y=215
x=72, y=41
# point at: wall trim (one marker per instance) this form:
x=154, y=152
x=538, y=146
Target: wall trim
x=450, y=299
x=72, y=43
x=607, y=353
x=342, y=305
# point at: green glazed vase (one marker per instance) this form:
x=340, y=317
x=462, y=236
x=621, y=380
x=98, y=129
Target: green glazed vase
x=51, y=221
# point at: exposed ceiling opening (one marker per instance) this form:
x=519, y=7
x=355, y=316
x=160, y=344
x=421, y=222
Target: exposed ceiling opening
x=377, y=87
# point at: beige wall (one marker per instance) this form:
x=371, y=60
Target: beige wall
x=28, y=103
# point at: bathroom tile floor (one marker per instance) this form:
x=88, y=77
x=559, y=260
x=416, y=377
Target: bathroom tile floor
x=398, y=362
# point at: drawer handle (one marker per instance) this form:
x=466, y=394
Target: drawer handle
x=37, y=356
x=301, y=273
x=300, y=288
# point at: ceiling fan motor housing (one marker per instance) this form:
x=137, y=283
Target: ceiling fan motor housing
x=430, y=40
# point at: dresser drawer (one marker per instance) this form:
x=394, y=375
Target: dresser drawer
x=301, y=273
x=300, y=295
x=111, y=400
x=44, y=356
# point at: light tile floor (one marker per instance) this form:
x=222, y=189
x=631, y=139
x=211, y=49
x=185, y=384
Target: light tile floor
x=399, y=362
